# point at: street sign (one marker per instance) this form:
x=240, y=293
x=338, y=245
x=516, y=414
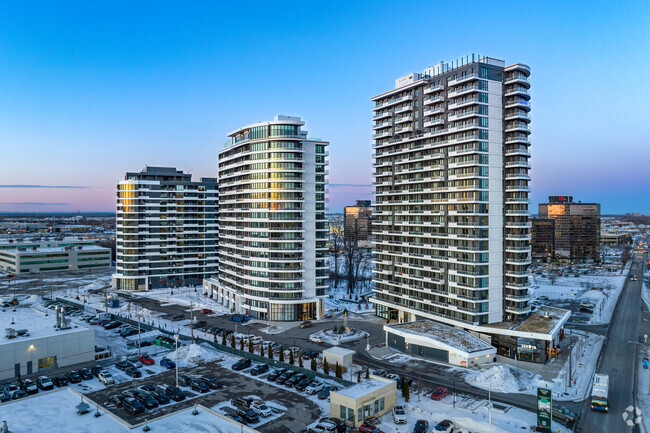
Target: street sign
x=544, y=408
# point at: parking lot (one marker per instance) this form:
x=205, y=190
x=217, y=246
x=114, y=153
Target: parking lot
x=300, y=410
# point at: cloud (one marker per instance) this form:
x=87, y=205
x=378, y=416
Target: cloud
x=44, y=186
x=34, y=203
x=337, y=185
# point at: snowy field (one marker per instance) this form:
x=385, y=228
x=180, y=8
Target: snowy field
x=55, y=412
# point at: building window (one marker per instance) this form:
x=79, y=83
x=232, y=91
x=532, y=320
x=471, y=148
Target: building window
x=360, y=414
x=381, y=404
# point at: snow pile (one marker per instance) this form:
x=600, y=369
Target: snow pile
x=193, y=355
x=501, y=378
x=593, y=295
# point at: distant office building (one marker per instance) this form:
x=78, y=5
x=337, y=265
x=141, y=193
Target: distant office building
x=272, y=225
x=615, y=238
x=577, y=228
x=36, y=259
x=452, y=240
x=358, y=221
x=542, y=235
x=166, y=229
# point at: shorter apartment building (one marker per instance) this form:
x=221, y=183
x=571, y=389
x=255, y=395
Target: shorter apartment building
x=372, y=397
x=35, y=259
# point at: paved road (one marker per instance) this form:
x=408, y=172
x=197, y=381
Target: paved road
x=618, y=361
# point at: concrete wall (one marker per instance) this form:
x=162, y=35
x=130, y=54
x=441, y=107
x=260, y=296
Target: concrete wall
x=69, y=348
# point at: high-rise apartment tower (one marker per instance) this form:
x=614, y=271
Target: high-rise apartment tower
x=451, y=181
x=166, y=229
x=273, y=231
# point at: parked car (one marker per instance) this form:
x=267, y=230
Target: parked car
x=133, y=372
x=15, y=395
x=439, y=393
x=184, y=380
x=199, y=385
x=325, y=392
x=261, y=409
x=314, y=387
x=206, y=311
x=29, y=386
x=259, y=369
x=561, y=412
x=133, y=405
x=146, y=359
x=96, y=369
x=249, y=415
x=44, y=383
x=421, y=426
x=106, y=377
x=117, y=399
x=73, y=377
x=147, y=400
x=128, y=332
x=315, y=339
x=237, y=418
x=399, y=415
x=60, y=381
x=284, y=376
x=86, y=374
x=306, y=324
x=242, y=364
x=241, y=402
x=293, y=380
x=645, y=363
x=366, y=428
x=160, y=396
x=211, y=381
x=325, y=427
x=133, y=359
x=112, y=325
x=177, y=317
x=304, y=384
x=123, y=365
x=276, y=373
x=444, y=426
x=167, y=363
x=175, y=393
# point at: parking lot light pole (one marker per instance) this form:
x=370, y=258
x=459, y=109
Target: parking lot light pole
x=176, y=339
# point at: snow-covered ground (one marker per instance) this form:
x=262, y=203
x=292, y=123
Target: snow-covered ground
x=56, y=412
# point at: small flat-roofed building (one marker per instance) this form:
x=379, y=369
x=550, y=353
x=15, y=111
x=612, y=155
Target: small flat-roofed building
x=340, y=355
x=371, y=397
x=41, y=346
x=439, y=342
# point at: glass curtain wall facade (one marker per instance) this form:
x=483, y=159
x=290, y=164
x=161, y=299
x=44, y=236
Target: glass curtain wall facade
x=451, y=184
x=272, y=246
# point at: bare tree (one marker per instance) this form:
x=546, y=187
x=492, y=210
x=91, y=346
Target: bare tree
x=336, y=247
x=354, y=258
x=626, y=255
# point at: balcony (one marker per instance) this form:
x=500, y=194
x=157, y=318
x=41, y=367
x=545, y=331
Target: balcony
x=404, y=109
x=517, y=115
x=432, y=89
x=432, y=100
x=463, y=91
x=463, y=115
x=518, y=139
x=462, y=79
x=518, y=310
x=517, y=127
x=382, y=115
x=516, y=91
x=382, y=125
x=429, y=111
x=392, y=102
x=406, y=118
x=517, y=164
x=517, y=79
x=382, y=134
x=463, y=103
x=519, y=151
x=517, y=103
x=517, y=200
x=433, y=122
x=404, y=129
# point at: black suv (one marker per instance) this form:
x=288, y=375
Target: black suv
x=184, y=380
x=211, y=381
x=199, y=385
x=241, y=403
x=133, y=405
x=303, y=384
x=86, y=374
x=73, y=377
x=293, y=380
x=175, y=393
x=147, y=399
x=259, y=369
x=242, y=364
x=284, y=376
x=276, y=373
x=60, y=381
x=249, y=415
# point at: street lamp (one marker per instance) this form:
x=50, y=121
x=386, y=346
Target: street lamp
x=176, y=339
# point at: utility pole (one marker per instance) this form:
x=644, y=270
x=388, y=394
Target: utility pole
x=139, y=333
x=570, y=359
x=191, y=322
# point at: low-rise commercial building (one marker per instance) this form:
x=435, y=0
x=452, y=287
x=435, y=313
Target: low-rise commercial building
x=339, y=355
x=439, y=342
x=33, y=343
x=372, y=397
x=23, y=260
x=615, y=238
